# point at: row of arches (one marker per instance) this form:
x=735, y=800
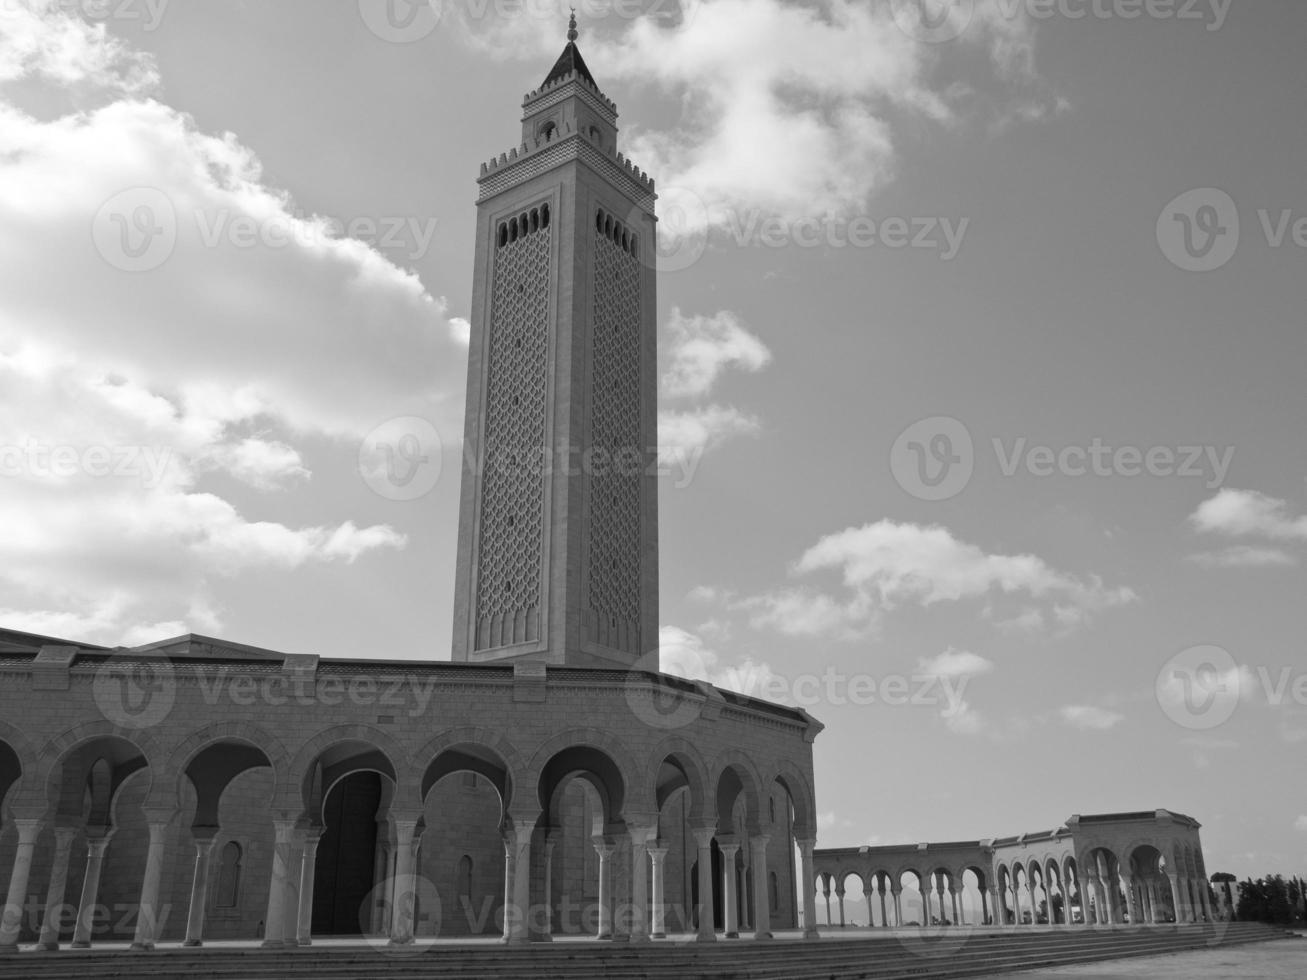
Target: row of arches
x=617, y=233
x=353, y=791
x=527, y=223
x=1156, y=881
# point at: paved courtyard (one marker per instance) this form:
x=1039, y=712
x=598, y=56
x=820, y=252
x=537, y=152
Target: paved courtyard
x=1263, y=961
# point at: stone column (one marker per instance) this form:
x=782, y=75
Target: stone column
x=1131, y=901
x=825, y=891
x=657, y=854
x=274, y=924
x=95, y=848
x=1104, y=907
x=548, y=856
x=204, y=838
x=761, y=898
x=308, y=875
x=880, y=890
x=839, y=898
x=510, y=860
x=896, y=890
x=957, y=908
x=605, y=851
x=380, y=873
x=640, y=837
x=147, y=919
x=406, y=891
x=148, y=916
x=806, y=848
x=869, y=890
x=703, y=838
x=52, y=921
x=730, y=847
x=941, y=891
x=11, y=925
x=1017, y=917
x=521, y=920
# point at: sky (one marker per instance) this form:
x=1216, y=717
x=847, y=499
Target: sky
x=981, y=335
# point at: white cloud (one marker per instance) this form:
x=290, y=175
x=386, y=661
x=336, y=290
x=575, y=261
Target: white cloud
x=886, y=565
x=955, y=663
x=686, y=435
x=794, y=108
x=702, y=348
x=1090, y=718
x=1244, y=556
x=210, y=362
x=685, y=654
x=698, y=351
x=1247, y=513
x=953, y=670
x=1301, y=823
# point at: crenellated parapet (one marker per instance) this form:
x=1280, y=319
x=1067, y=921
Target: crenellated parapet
x=560, y=145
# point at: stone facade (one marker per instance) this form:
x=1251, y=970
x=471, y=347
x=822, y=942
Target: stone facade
x=225, y=779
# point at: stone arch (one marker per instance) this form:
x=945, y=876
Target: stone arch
x=734, y=776
x=128, y=752
x=802, y=798
x=19, y=770
x=215, y=755
x=619, y=782
x=471, y=748
x=685, y=755
x=295, y=784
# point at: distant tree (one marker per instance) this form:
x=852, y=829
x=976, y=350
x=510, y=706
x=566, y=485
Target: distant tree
x=1268, y=900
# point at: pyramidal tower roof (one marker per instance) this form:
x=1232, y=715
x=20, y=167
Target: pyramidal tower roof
x=570, y=60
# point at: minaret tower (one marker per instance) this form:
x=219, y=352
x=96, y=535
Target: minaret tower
x=558, y=527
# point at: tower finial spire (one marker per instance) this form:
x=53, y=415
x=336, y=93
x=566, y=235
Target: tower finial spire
x=572, y=32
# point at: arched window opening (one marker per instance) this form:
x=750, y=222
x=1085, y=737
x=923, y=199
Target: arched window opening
x=503, y=235
x=544, y=216
x=535, y=220
x=463, y=883
x=512, y=230
x=229, y=877
x=547, y=131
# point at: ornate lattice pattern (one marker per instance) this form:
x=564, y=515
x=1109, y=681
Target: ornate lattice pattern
x=614, y=560
x=513, y=489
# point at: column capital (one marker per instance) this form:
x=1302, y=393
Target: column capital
x=604, y=846
x=703, y=835
x=29, y=828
